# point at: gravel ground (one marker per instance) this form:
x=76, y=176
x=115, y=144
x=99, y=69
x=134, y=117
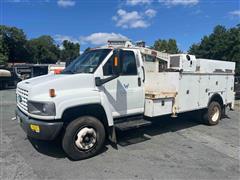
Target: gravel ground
x=181, y=148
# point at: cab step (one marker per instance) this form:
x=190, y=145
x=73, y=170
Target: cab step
x=131, y=123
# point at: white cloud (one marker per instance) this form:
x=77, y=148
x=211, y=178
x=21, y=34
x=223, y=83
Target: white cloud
x=26, y=1
x=131, y=19
x=137, y=2
x=150, y=13
x=16, y=1
x=66, y=3
x=60, y=38
x=235, y=13
x=179, y=2
x=197, y=12
x=100, y=38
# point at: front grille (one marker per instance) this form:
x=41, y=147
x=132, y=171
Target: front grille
x=22, y=98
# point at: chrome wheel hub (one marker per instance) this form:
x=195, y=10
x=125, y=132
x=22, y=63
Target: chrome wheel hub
x=215, y=114
x=86, y=138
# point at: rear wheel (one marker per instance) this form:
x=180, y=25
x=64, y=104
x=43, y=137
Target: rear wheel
x=213, y=114
x=83, y=138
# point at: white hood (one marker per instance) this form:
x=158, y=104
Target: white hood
x=42, y=84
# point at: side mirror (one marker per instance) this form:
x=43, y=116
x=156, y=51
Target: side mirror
x=117, y=64
x=116, y=68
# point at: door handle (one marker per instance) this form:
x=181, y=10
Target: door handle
x=143, y=73
x=139, y=81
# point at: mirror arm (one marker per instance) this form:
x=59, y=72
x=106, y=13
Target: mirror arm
x=99, y=81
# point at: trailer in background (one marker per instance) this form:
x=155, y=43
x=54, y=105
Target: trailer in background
x=5, y=76
x=237, y=87
x=56, y=68
x=14, y=73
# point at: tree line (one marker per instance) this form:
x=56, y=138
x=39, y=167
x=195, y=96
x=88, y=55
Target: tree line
x=15, y=47
x=221, y=44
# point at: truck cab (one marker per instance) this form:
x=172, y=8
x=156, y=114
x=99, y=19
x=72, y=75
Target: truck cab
x=92, y=86
x=105, y=87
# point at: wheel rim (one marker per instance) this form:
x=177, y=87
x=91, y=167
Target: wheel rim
x=86, y=138
x=215, y=114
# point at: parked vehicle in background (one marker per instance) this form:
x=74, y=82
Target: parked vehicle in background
x=237, y=87
x=11, y=75
x=26, y=71
x=121, y=86
x=56, y=68
x=8, y=78
x=14, y=73
x=5, y=77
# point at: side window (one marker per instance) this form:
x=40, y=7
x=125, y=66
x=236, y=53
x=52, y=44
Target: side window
x=129, y=63
x=129, y=66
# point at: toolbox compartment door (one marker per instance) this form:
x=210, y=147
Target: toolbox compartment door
x=158, y=107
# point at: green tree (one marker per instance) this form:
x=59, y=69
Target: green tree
x=43, y=50
x=13, y=44
x=87, y=49
x=169, y=46
x=221, y=44
x=3, y=52
x=70, y=51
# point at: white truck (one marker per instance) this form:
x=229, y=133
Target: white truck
x=120, y=86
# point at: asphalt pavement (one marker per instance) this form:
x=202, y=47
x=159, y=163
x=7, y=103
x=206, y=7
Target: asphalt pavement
x=180, y=148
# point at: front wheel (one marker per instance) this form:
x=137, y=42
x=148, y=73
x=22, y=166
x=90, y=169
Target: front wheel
x=83, y=138
x=213, y=114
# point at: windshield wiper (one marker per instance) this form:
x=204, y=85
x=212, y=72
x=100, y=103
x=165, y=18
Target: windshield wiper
x=68, y=72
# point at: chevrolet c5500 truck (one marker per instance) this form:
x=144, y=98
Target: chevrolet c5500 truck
x=118, y=86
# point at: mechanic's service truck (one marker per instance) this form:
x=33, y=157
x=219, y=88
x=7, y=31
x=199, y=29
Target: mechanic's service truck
x=120, y=86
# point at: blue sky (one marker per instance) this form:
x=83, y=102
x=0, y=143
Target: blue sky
x=92, y=22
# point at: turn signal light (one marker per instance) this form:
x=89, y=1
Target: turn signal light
x=52, y=93
x=115, y=61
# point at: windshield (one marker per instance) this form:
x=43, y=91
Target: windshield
x=87, y=62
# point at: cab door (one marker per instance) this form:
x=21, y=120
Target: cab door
x=125, y=94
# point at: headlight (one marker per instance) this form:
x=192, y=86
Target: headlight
x=41, y=108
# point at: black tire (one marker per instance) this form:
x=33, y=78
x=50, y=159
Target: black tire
x=70, y=135
x=213, y=114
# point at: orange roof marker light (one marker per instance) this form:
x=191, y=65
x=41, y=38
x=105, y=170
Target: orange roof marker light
x=115, y=61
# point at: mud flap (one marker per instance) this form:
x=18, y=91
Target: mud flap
x=223, y=112
x=113, y=137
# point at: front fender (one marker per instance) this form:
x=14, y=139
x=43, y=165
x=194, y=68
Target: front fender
x=77, y=98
